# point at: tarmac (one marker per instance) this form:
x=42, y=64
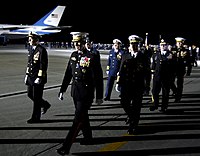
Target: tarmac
x=174, y=133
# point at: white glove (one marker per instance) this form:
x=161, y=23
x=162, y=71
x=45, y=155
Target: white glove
x=117, y=88
x=25, y=79
x=37, y=80
x=60, y=96
x=99, y=101
x=107, y=72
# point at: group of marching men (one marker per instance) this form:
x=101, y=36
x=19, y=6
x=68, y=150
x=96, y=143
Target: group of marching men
x=143, y=70
x=132, y=70
x=129, y=69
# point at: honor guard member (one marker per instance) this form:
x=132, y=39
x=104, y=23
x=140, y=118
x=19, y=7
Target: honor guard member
x=97, y=59
x=182, y=60
x=113, y=64
x=36, y=76
x=81, y=70
x=130, y=82
x=148, y=51
x=162, y=69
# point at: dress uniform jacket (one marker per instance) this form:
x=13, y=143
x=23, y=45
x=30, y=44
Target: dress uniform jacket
x=131, y=80
x=182, y=56
x=162, y=65
x=114, y=61
x=182, y=59
x=82, y=70
x=132, y=72
x=37, y=65
x=37, y=68
x=162, y=68
x=113, y=66
x=98, y=71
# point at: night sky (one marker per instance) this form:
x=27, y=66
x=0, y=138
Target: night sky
x=106, y=20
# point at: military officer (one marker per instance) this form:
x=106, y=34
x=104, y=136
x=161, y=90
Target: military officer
x=97, y=59
x=148, y=51
x=81, y=69
x=113, y=64
x=130, y=81
x=162, y=68
x=36, y=76
x=182, y=61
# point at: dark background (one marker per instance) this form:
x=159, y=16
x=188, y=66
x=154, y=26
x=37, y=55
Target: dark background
x=106, y=20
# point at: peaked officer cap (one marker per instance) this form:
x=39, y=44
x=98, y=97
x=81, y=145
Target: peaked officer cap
x=34, y=34
x=117, y=41
x=180, y=39
x=162, y=42
x=78, y=36
x=135, y=39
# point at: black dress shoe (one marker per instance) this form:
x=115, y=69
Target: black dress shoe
x=45, y=109
x=177, y=100
x=163, y=110
x=30, y=121
x=173, y=93
x=87, y=141
x=153, y=108
x=106, y=99
x=62, y=151
x=132, y=131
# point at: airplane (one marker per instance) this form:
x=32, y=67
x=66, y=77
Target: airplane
x=48, y=24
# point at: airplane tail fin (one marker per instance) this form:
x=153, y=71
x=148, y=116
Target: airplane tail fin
x=52, y=18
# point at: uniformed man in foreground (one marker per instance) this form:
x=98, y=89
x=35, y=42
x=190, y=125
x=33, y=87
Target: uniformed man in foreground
x=36, y=77
x=81, y=70
x=130, y=82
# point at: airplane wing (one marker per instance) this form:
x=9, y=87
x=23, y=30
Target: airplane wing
x=46, y=25
x=57, y=28
x=12, y=28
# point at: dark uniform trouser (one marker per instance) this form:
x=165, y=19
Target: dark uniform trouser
x=35, y=93
x=109, y=87
x=132, y=104
x=172, y=85
x=80, y=122
x=157, y=86
x=179, y=81
x=147, y=82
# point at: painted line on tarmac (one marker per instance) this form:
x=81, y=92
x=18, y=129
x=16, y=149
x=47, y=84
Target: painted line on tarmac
x=114, y=146
x=24, y=91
